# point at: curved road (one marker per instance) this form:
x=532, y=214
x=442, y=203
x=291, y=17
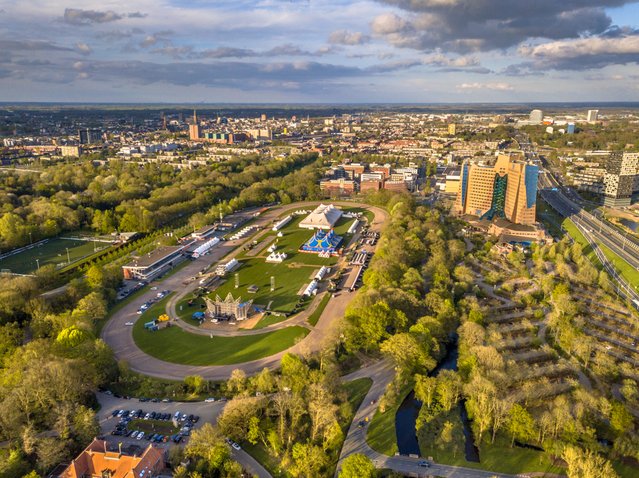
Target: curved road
x=120, y=338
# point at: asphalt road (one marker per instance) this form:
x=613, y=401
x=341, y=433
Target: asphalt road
x=120, y=339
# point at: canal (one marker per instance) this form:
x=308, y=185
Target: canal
x=408, y=411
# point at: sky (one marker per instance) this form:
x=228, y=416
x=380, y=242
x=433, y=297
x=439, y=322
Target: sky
x=319, y=51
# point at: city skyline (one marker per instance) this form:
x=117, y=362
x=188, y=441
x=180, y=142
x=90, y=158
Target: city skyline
x=330, y=52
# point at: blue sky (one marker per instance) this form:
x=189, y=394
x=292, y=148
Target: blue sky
x=319, y=51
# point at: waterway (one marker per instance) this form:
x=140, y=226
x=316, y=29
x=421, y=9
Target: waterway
x=406, y=417
x=633, y=225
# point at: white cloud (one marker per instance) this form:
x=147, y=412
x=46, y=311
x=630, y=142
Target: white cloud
x=486, y=86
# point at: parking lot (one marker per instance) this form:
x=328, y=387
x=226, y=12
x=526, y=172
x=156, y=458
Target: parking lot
x=137, y=423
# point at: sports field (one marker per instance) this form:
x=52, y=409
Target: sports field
x=290, y=276
x=53, y=252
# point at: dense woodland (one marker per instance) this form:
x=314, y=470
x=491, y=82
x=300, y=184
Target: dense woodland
x=615, y=136
x=130, y=196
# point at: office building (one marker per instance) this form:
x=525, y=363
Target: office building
x=536, y=116
x=622, y=179
x=593, y=115
x=194, y=129
x=90, y=136
x=506, y=189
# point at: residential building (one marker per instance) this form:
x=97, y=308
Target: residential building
x=97, y=461
x=507, y=188
x=75, y=151
x=593, y=115
x=622, y=179
x=90, y=136
x=340, y=187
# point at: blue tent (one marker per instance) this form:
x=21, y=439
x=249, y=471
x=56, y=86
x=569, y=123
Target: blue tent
x=322, y=242
x=198, y=315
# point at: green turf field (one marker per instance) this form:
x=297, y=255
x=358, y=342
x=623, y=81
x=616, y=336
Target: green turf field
x=52, y=252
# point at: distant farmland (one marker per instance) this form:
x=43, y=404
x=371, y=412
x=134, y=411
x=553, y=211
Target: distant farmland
x=53, y=252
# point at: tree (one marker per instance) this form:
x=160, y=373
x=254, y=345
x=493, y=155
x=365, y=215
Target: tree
x=196, y=383
x=425, y=389
x=93, y=305
x=449, y=387
x=51, y=451
x=620, y=418
x=237, y=381
x=234, y=421
x=308, y=460
x=587, y=464
x=95, y=277
x=480, y=404
x=357, y=466
x=521, y=424
x=264, y=382
x=408, y=354
x=207, y=443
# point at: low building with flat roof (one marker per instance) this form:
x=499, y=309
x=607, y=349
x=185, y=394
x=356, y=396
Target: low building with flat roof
x=149, y=266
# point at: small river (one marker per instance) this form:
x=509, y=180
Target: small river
x=633, y=225
x=408, y=411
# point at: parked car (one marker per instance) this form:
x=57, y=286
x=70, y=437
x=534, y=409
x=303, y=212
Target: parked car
x=209, y=400
x=236, y=446
x=140, y=436
x=423, y=463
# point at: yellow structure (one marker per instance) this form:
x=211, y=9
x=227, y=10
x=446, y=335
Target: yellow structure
x=452, y=186
x=163, y=318
x=507, y=188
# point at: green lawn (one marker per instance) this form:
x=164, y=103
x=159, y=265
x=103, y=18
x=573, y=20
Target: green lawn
x=626, y=270
x=357, y=390
x=381, y=435
x=187, y=310
x=153, y=426
x=317, y=313
x=269, y=320
x=175, y=345
x=577, y=236
x=52, y=252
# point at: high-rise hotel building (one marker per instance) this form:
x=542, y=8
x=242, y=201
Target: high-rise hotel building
x=507, y=188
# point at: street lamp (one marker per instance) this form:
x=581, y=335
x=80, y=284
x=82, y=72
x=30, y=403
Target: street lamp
x=68, y=256
x=38, y=262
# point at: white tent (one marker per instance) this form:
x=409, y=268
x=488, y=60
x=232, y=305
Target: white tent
x=325, y=216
